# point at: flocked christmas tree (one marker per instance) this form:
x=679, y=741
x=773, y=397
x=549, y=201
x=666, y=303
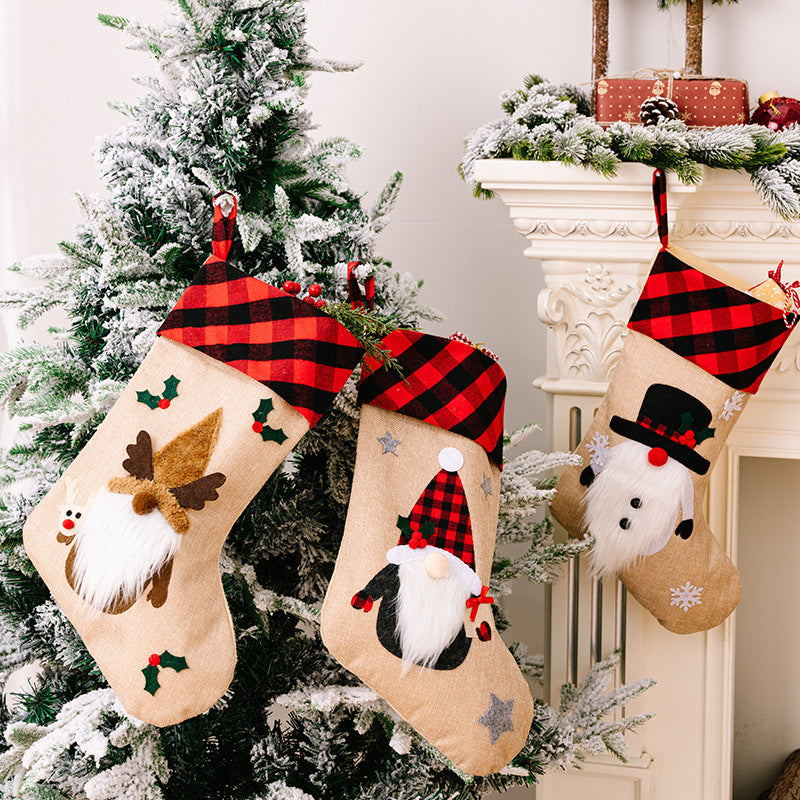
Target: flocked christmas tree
x=225, y=110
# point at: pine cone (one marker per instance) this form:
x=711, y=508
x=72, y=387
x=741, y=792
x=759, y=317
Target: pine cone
x=656, y=108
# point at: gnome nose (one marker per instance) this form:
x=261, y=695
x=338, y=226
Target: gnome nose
x=436, y=565
x=68, y=524
x=144, y=502
x=657, y=456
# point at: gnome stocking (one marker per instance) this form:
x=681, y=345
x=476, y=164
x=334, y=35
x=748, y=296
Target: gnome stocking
x=128, y=540
x=698, y=347
x=408, y=609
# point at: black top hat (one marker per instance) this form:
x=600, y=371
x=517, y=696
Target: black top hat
x=673, y=420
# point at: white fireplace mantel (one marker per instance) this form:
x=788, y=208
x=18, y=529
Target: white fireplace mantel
x=596, y=239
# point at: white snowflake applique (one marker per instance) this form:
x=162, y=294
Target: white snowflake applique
x=598, y=449
x=732, y=405
x=686, y=596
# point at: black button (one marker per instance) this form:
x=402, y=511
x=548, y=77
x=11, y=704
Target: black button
x=624, y=523
x=636, y=502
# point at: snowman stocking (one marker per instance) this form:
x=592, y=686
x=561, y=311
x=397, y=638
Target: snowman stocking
x=699, y=345
x=408, y=609
x=128, y=540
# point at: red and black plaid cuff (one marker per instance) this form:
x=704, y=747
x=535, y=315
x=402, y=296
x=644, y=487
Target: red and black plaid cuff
x=726, y=332
x=297, y=350
x=445, y=383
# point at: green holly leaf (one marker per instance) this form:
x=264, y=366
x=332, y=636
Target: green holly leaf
x=171, y=387
x=687, y=418
x=148, y=399
x=151, y=684
x=706, y=433
x=169, y=661
x=262, y=412
x=427, y=529
x=405, y=527
x=273, y=435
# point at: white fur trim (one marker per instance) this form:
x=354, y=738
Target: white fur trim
x=403, y=554
x=451, y=459
x=430, y=613
x=662, y=495
x=117, y=551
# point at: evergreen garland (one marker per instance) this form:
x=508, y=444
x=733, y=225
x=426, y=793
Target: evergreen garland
x=552, y=122
x=225, y=110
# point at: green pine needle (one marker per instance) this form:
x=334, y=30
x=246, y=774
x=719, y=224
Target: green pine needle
x=120, y=23
x=370, y=328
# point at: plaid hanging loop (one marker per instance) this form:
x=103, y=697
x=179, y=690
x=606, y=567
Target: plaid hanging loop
x=660, y=204
x=223, y=227
x=359, y=299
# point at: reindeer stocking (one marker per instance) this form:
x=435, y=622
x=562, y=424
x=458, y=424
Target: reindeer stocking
x=128, y=540
x=699, y=345
x=408, y=609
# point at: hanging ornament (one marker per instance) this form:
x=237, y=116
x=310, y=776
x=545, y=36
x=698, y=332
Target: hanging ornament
x=655, y=109
x=776, y=112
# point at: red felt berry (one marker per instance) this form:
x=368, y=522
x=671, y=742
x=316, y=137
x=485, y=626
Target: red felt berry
x=414, y=544
x=423, y=543
x=258, y=427
x=657, y=456
x=154, y=660
x=291, y=287
x=163, y=403
x=320, y=303
x=68, y=524
x=315, y=290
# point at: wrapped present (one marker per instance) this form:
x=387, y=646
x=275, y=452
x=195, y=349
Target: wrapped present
x=702, y=102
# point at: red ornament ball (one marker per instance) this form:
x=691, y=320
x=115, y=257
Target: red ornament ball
x=258, y=427
x=776, y=112
x=320, y=303
x=315, y=290
x=291, y=287
x=657, y=456
x=154, y=660
x=309, y=299
x=163, y=403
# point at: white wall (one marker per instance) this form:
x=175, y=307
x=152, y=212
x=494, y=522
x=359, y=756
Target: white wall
x=433, y=71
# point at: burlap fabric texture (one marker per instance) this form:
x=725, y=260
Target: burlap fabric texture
x=474, y=704
x=239, y=373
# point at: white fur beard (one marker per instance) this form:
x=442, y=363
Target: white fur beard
x=627, y=475
x=117, y=551
x=430, y=613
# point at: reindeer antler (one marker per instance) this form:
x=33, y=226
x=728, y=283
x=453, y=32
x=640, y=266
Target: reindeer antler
x=140, y=461
x=194, y=495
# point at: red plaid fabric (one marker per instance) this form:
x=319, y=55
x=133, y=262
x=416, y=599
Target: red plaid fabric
x=445, y=504
x=297, y=350
x=222, y=230
x=660, y=202
x=728, y=333
x=444, y=383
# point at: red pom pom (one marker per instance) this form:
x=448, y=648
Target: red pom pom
x=423, y=543
x=414, y=544
x=154, y=660
x=291, y=287
x=68, y=524
x=163, y=403
x=657, y=456
x=315, y=290
x=258, y=427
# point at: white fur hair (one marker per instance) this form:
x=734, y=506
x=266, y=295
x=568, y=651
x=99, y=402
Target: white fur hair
x=665, y=493
x=117, y=551
x=430, y=613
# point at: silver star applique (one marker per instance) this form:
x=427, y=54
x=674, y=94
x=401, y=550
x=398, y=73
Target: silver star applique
x=498, y=718
x=389, y=444
x=486, y=485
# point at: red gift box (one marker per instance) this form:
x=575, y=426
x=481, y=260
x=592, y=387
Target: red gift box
x=702, y=102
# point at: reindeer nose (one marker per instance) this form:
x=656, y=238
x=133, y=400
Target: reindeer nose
x=68, y=524
x=144, y=502
x=436, y=565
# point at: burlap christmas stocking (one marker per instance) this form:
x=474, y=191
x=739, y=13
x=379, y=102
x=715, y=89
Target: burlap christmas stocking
x=128, y=540
x=408, y=608
x=698, y=347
